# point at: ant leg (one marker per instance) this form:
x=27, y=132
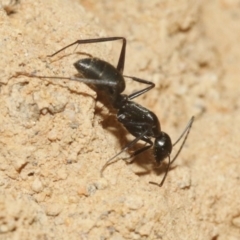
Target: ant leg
x=129, y=145
x=82, y=80
x=121, y=60
x=138, y=93
x=141, y=150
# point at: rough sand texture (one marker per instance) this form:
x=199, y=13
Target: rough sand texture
x=56, y=135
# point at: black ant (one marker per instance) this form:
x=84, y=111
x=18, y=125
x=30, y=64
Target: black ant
x=139, y=121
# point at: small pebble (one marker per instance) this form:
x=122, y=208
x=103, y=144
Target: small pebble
x=37, y=185
x=134, y=202
x=53, y=209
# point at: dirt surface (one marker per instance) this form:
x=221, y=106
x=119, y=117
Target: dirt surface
x=56, y=134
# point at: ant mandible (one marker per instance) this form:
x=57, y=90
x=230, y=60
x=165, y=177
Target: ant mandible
x=139, y=121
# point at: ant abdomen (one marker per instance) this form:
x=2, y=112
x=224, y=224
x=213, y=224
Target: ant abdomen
x=94, y=68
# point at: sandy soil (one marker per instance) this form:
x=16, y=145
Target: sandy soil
x=56, y=134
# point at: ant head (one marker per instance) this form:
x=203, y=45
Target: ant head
x=162, y=147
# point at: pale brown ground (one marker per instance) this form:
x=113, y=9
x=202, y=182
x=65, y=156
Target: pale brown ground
x=55, y=136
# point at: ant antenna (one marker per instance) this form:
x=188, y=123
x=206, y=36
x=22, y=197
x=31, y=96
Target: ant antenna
x=186, y=131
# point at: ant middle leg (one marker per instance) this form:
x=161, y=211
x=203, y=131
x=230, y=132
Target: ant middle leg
x=140, y=92
x=121, y=60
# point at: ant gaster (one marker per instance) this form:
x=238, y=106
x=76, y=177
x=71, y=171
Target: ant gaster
x=139, y=121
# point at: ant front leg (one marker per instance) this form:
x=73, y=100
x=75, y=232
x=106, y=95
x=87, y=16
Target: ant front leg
x=142, y=149
x=129, y=145
x=121, y=60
